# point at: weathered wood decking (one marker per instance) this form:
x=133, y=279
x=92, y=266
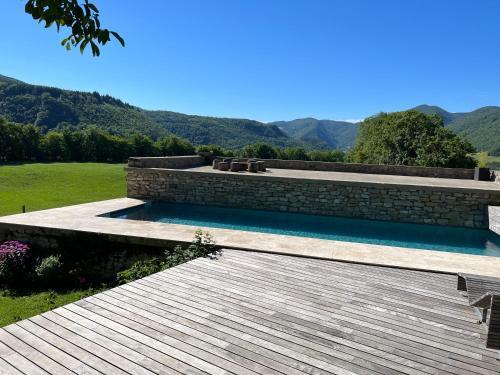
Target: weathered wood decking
x=248, y=313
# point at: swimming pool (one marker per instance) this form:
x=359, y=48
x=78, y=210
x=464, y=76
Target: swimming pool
x=418, y=236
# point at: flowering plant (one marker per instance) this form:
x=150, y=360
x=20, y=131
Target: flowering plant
x=13, y=260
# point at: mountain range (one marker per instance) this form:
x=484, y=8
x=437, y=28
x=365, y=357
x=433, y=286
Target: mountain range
x=54, y=108
x=481, y=127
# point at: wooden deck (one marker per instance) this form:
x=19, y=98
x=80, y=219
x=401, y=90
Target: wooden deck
x=257, y=313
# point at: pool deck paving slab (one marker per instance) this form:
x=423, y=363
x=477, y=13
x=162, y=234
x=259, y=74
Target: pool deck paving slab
x=85, y=218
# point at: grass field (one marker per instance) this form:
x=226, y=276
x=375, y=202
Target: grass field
x=15, y=307
x=494, y=162
x=40, y=186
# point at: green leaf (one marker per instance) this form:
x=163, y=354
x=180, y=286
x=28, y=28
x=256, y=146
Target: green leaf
x=119, y=38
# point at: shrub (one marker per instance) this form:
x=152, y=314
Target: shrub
x=49, y=270
x=217, y=150
x=139, y=270
x=259, y=150
x=202, y=245
x=14, y=257
x=482, y=159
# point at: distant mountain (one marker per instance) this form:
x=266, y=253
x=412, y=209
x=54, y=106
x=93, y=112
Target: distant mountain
x=445, y=115
x=53, y=108
x=481, y=127
x=228, y=132
x=323, y=133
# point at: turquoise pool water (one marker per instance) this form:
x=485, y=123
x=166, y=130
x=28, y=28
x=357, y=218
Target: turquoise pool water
x=431, y=237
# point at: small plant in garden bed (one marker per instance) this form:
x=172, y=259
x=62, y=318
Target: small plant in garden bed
x=203, y=245
x=14, y=262
x=49, y=270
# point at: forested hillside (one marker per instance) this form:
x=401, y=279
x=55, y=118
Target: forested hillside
x=53, y=108
x=227, y=132
x=481, y=127
x=323, y=133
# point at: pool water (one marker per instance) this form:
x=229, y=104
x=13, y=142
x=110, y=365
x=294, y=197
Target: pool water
x=418, y=236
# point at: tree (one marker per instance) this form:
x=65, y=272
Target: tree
x=172, y=146
x=258, y=150
x=11, y=146
x=54, y=147
x=142, y=145
x=410, y=138
x=82, y=19
x=331, y=156
x=292, y=153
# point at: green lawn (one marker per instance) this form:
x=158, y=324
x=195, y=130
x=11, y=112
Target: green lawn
x=14, y=308
x=40, y=186
x=494, y=162
x=47, y=185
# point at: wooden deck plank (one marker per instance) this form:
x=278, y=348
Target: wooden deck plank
x=344, y=336
x=7, y=369
x=171, y=290
x=318, y=290
x=324, y=365
x=229, y=334
x=146, y=347
x=365, y=353
x=59, y=356
x=38, y=358
x=59, y=338
x=18, y=361
x=259, y=313
x=127, y=359
x=202, y=340
x=149, y=337
x=188, y=342
x=418, y=329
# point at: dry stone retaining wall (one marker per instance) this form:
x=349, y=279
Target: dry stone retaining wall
x=424, y=205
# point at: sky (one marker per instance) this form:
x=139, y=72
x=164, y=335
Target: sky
x=272, y=60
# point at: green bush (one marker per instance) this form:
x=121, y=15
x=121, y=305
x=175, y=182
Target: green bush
x=259, y=150
x=203, y=245
x=49, y=270
x=139, y=270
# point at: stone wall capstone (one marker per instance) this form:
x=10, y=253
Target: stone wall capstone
x=171, y=162
x=399, y=170
x=403, y=203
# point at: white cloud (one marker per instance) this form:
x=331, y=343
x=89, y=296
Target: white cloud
x=352, y=120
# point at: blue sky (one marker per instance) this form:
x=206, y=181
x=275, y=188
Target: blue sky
x=273, y=60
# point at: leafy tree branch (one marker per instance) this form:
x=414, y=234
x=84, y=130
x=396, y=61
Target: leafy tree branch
x=81, y=18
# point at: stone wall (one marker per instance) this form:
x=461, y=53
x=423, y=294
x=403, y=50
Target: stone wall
x=494, y=218
x=429, y=205
x=400, y=170
x=171, y=162
x=182, y=162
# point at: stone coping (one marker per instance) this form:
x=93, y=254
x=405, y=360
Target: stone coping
x=84, y=219
x=344, y=178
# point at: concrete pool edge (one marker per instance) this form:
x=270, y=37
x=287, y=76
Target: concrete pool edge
x=84, y=219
